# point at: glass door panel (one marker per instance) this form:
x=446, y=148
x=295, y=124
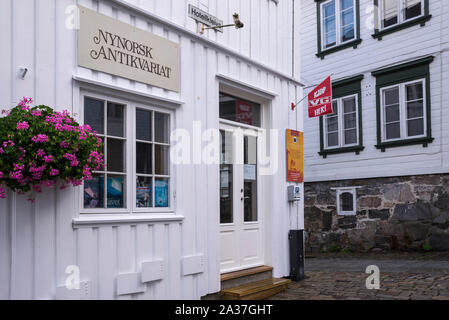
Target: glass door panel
x=226, y=181
x=250, y=179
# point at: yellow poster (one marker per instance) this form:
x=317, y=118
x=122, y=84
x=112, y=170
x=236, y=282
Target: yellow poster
x=295, y=155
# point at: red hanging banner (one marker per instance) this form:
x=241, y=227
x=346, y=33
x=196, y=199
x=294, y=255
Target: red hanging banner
x=320, y=99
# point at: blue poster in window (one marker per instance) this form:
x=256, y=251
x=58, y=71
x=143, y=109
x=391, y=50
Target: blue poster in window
x=115, y=192
x=161, y=193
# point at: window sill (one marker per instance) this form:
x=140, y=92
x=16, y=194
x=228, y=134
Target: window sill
x=354, y=44
x=400, y=143
x=378, y=34
x=100, y=219
x=356, y=149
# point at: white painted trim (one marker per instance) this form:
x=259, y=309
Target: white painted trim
x=97, y=219
x=104, y=85
x=183, y=30
x=249, y=88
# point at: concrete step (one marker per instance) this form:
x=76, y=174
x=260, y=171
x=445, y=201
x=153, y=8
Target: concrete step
x=241, y=277
x=256, y=290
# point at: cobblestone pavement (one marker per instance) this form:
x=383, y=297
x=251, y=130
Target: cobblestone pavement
x=403, y=277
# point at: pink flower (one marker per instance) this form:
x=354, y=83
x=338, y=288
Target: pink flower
x=40, y=153
x=36, y=113
x=64, y=144
x=48, y=159
x=25, y=102
x=22, y=125
x=54, y=172
x=2, y=193
x=1, y=151
x=40, y=138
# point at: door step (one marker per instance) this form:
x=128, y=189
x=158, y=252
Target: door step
x=241, y=277
x=256, y=290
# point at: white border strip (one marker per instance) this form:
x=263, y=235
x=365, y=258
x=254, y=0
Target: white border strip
x=100, y=219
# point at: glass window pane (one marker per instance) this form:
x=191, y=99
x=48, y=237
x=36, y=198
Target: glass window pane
x=393, y=130
x=332, y=139
x=116, y=120
x=161, y=193
x=346, y=4
x=115, y=191
x=347, y=17
x=250, y=201
x=116, y=155
x=391, y=96
x=350, y=136
x=250, y=150
x=414, y=91
x=161, y=160
x=412, y=8
x=349, y=105
x=332, y=124
x=346, y=202
x=350, y=120
x=143, y=125
x=239, y=110
x=390, y=12
x=161, y=127
x=226, y=203
x=226, y=147
x=94, y=114
x=94, y=192
x=415, y=127
x=392, y=113
x=144, y=164
x=415, y=109
x=329, y=9
x=348, y=33
x=144, y=192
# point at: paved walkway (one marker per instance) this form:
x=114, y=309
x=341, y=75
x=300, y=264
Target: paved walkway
x=402, y=277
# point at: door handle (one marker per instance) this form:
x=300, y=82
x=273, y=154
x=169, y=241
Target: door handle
x=244, y=198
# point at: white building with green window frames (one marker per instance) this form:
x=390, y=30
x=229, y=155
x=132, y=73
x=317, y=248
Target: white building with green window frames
x=376, y=170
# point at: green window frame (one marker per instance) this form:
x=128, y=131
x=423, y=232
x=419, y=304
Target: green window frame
x=342, y=89
x=415, y=71
x=402, y=24
x=338, y=47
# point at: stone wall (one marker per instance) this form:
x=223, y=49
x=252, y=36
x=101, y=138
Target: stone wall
x=399, y=213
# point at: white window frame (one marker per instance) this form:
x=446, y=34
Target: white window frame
x=400, y=14
x=339, y=192
x=341, y=123
x=402, y=111
x=338, y=41
x=130, y=158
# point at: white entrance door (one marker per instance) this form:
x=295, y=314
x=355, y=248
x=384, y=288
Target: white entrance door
x=241, y=231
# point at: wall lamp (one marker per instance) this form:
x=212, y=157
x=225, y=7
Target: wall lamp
x=237, y=24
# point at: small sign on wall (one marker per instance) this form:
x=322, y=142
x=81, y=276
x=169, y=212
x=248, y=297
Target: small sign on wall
x=109, y=45
x=295, y=155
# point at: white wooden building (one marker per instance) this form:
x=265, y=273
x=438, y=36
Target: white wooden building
x=164, y=240
x=390, y=63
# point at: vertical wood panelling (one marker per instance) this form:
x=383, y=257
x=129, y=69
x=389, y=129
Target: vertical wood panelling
x=144, y=243
x=5, y=246
x=24, y=255
x=107, y=267
x=125, y=252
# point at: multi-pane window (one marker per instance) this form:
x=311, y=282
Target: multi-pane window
x=338, y=22
x=152, y=159
x=394, y=12
x=403, y=111
x=150, y=147
x=341, y=127
x=107, y=188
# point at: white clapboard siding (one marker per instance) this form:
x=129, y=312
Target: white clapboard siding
x=38, y=241
x=399, y=47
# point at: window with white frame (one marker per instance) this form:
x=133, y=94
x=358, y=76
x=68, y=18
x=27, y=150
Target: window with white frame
x=146, y=179
x=341, y=128
x=346, y=201
x=394, y=12
x=338, y=24
x=403, y=111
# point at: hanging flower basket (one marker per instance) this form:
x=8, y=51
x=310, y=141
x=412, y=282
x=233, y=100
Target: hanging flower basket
x=39, y=147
